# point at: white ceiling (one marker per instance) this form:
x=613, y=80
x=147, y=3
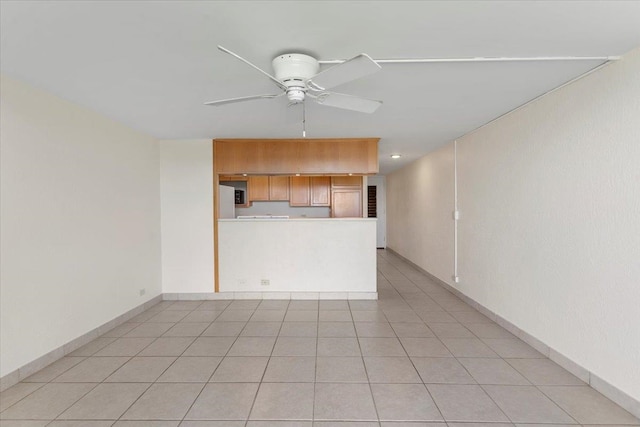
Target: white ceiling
x=152, y=64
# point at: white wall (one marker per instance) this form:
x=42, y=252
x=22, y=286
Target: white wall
x=186, y=182
x=80, y=219
x=419, y=209
x=298, y=255
x=549, y=232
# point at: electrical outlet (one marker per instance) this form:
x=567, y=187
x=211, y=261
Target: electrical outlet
x=242, y=281
x=264, y=282
x=143, y=291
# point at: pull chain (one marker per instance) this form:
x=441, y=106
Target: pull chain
x=304, y=120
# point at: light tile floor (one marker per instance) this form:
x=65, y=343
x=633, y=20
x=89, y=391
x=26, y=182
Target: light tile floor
x=418, y=356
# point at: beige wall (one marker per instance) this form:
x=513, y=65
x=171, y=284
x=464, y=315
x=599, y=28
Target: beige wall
x=549, y=232
x=80, y=219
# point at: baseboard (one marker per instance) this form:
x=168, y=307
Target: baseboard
x=272, y=295
x=610, y=391
x=41, y=362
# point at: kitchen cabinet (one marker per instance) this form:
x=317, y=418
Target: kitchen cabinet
x=346, y=197
x=265, y=188
x=320, y=187
x=258, y=188
x=278, y=188
x=299, y=191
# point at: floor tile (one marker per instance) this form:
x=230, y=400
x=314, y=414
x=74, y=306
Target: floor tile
x=164, y=401
x=235, y=315
x=105, y=402
x=336, y=329
x=119, y=330
x=92, y=370
x=184, y=305
x=295, y=346
x=167, y=346
x=261, y=329
x=268, y=316
x=368, y=316
x=344, y=402
x=301, y=316
x=446, y=370
x=149, y=329
x=544, y=372
x=47, y=402
x=489, y=330
x=402, y=316
x=334, y=305
x=141, y=370
x=340, y=369
x=290, y=369
x=299, y=329
x=465, y=403
x=125, y=347
x=391, y=370
x=349, y=424
x=409, y=402
x=190, y=369
x=92, y=347
x=587, y=406
x=240, y=369
x=212, y=424
x=274, y=304
x=169, y=316
x=191, y=329
x=252, y=346
x=303, y=305
x=338, y=347
x=413, y=330
x=283, y=401
x=374, y=329
x=425, y=347
x=450, y=330
x=493, y=371
x=224, y=401
x=201, y=316
x=527, y=404
x=468, y=347
x=55, y=369
x=244, y=304
x=363, y=305
x=381, y=347
x=471, y=317
x=436, y=317
x=209, y=346
x=512, y=348
x=147, y=424
x=334, y=316
x=214, y=305
x=16, y=393
x=224, y=329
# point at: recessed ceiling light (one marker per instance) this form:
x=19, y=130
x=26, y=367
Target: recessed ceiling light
x=395, y=156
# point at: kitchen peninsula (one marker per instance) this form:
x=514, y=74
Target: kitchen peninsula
x=331, y=255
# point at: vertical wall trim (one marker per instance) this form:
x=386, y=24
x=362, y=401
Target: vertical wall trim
x=456, y=214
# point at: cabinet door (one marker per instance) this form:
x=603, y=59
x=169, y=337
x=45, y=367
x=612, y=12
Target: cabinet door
x=320, y=190
x=278, y=188
x=346, y=181
x=299, y=191
x=258, y=188
x=346, y=204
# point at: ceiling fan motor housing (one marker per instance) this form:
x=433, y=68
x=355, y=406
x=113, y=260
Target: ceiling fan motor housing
x=293, y=70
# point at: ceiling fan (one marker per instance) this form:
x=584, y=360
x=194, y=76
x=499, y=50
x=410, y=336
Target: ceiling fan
x=298, y=78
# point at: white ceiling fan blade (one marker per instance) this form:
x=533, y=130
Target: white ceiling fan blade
x=347, y=102
x=276, y=81
x=241, y=99
x=351, y=69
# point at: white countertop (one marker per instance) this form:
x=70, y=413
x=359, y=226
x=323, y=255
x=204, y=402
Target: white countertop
x=281, y=219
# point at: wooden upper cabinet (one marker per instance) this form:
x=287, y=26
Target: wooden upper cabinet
x=291, y=156
x=278, y=188
x=346, y=181
x=320, y=190
x=258, y=187
x=299, y=194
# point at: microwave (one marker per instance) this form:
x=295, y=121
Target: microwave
x=239, y=197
